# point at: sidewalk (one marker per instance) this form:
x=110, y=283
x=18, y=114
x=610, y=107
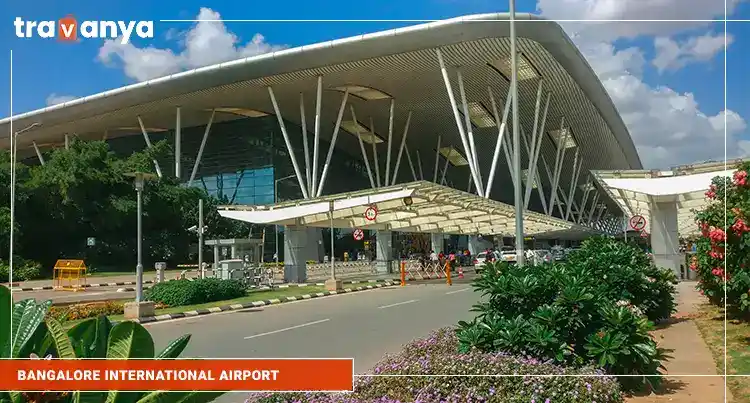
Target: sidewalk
x=691, y=356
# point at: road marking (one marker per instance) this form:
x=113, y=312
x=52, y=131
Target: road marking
x=286, y=329
x=457, y=291
x=397, y=304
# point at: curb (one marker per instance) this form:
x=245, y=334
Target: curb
x=121, y=283
x=257, y=304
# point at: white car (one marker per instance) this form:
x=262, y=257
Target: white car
x=481, y=258
x=542, y=256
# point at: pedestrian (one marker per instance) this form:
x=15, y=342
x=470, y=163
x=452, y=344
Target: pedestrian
x=433, y=256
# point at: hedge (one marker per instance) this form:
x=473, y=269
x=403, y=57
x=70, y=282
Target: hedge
x=198, y=291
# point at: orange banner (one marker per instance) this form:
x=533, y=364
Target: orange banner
x=146, y=375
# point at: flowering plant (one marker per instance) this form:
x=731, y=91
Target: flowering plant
x=723, y=248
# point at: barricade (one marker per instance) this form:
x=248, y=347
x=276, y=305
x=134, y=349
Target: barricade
x=69, y=275
x=413, y=270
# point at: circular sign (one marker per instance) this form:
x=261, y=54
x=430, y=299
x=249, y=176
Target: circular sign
x=644, y=234
x=637, y=222
x=371, y=213
x=358, y=234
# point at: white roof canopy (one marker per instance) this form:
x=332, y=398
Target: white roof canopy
x=634, y=191
x=412, y=207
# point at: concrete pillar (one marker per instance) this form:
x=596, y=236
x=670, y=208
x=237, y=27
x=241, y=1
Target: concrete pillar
x=438, y=240
x=296, y=249
x=478, y=245
x=384, y=252
x=234, y=252
x=665, y=241
x=216, y=257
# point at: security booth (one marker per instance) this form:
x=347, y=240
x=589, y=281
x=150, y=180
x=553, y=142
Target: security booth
x=236, y=248
x=69, y=275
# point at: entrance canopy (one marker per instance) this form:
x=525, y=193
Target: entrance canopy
x=419, y=206
x=636, y=190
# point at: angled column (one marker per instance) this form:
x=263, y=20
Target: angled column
x=665, y=241
x=384, y=252
x=178, y=145
x=296, y=240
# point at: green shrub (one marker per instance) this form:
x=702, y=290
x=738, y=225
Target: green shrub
x=437, y=355
x=592, y=309
x=191, y=292
x=23, y=270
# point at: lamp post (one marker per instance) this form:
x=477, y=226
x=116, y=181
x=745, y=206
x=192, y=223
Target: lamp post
x=13, y=155
x=139, y=179
x=276, y=200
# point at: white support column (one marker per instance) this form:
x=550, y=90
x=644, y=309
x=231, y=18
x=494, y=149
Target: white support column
x=316, y=138
x=559, y=158
x=391, y=112
x=178, y=144
x=508, y=151
x=501, y=130
x=289, y=148
x=468, y=187
x=437, y=161
x=577, y=164
x=67, y=142
x=445, y=169
x=362, y=147
x=536, y=148
x=536, y=176
x=584, y=200
x=305, y=145
x=411, y=164
x=594, y=205
x=470, y=131
x=419, y=164
x=601, y=213
x=459, y=125
x=551, y=208
x=333, y=143
x=375, y=152
x=401, y=148
x=148, y=145
x=38, y=153
x=201, y=148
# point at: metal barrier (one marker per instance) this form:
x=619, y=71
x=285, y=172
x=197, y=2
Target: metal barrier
x=412, y=270
x=69, y=274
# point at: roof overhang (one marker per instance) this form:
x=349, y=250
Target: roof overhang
x=412, y=207
x=635, y=191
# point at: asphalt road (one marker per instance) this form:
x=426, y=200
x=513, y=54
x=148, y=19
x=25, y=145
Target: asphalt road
x=363, y=325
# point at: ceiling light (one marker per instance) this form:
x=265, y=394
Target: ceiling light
x=249, y=113
x=366, y=93
x=365, y=133
x=480, y=116
x=454, y=156
x=563, y=137
x=526, y=71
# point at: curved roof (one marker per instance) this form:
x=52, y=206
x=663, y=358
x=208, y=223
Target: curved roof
x=58, y=119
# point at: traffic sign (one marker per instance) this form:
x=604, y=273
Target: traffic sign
x=371, y=213
x=90, y=241
x=358, y=234
x=644, y=234
x=637, y=222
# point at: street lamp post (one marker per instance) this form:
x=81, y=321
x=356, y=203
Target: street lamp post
x=276, y=200
x=139, y=308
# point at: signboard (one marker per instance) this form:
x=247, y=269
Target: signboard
x=90, y=241
x=637, y=222
x=358, y=234
x=644, y=234
x=371, y=213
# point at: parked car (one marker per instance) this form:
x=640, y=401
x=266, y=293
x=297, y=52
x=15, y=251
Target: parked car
x=542, y=256
x=481, y=258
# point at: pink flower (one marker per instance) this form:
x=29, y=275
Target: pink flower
x=717, y=235
x=711, y=193
x=740, y=178
x=716, y=255
x=739, y=227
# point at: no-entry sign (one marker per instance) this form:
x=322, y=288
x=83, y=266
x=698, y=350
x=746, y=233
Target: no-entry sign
x=371, y=213
x=358, y=234
x=637, y=222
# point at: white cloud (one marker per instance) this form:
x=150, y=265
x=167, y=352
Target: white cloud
x=54, y=99
x=668, y=127
x=204, y=44
x=673, y=55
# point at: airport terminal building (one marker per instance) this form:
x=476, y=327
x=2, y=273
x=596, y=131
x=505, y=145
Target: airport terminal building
x=404, y=131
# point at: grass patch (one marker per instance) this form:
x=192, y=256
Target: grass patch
x=710, y=322
x=252, y=296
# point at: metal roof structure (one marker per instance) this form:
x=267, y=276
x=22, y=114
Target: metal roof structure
x=393, y=79
x=411, y=207
x=686, y=185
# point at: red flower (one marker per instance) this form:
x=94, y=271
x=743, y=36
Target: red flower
x=739, y=227
x=711, y=193
x=740, y=178
x=717, y=235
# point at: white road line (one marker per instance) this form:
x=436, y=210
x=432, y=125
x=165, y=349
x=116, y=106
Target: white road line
x=286, y=329
x=397, y=304
x=457, y=291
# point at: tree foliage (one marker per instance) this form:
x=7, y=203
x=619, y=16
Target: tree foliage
x=83, y=192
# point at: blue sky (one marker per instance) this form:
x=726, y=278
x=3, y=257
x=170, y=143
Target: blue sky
x=45, y=67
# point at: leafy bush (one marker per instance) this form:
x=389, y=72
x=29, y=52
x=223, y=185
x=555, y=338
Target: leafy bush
x=24, y=270
x=35, y=334
x=588, y=310
x=198, y=291
x=438, y=355
x=723, y=254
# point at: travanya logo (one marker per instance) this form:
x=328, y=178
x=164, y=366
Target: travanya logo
x=68, y=29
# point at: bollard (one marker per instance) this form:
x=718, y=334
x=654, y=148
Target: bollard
x=403, y=273
x=460, y=272
x=448, y=273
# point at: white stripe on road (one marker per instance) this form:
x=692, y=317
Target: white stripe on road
x=397, y=304
x=286, y=328
x=457, y=291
